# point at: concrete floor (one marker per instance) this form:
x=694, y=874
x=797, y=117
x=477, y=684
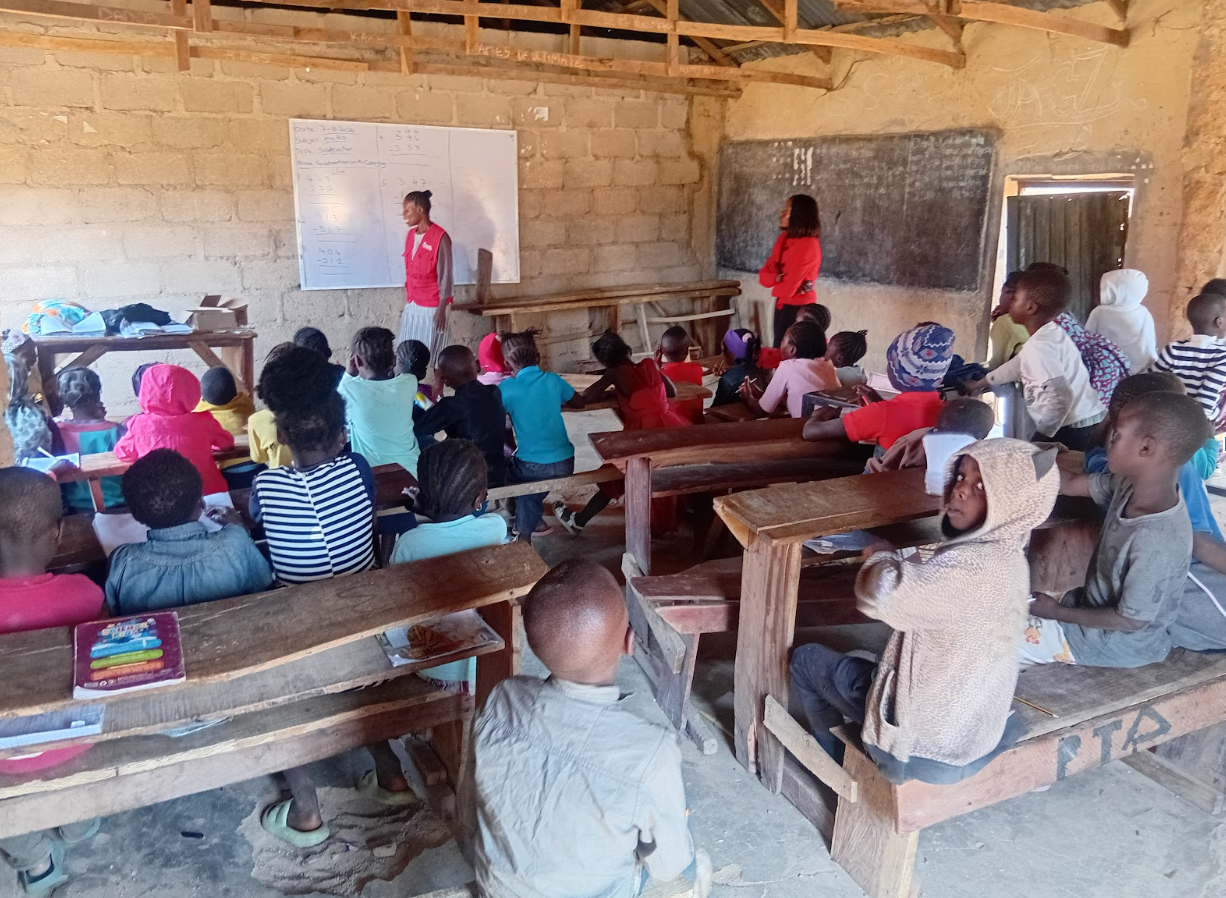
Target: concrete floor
x=1110, y=833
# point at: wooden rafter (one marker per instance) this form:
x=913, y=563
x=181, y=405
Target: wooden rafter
x=717, y=55
x=825, y=54
x=952, y=27
x=1054, y=22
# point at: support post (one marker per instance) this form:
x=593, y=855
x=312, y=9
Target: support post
x=638, y=512
x=866, y=842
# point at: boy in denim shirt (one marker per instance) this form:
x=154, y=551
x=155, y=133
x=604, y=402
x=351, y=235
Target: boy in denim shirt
x=182, y=563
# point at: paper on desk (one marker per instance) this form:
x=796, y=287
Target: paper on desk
x=45, y=463
x=853, y=541
x=115, y=530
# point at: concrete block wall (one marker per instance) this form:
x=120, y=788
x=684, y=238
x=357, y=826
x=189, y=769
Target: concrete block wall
x=122, y=180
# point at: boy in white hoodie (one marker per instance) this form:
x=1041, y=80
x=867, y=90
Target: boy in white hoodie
x=936, y=707
x=1120, y=317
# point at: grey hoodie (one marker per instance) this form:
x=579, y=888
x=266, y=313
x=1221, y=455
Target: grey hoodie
x=945, y=682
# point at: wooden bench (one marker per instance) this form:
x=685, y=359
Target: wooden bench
x=286, y=677
x=508, y=312
x=1090, y=716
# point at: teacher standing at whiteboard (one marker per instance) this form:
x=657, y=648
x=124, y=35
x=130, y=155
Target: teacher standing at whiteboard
x=428, y=280
x=791, y=271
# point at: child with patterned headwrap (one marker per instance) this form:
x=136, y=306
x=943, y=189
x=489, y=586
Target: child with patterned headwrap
x=915, y=363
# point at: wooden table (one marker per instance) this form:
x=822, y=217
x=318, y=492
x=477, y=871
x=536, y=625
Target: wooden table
x=277, y=672
x=581, y=382
x=508, y=312
x=237, y=353
x=79, y=546
x=772, y=524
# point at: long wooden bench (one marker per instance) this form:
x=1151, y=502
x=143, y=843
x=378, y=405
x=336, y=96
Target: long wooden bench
x=285, y=677
x=508, y=312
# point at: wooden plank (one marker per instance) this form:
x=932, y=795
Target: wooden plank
x=865, y=843
x=183, y=53
x=951, y=26
x=1054, y=756
x=202, y=15
x=819, y=37
x=279, y=59
x=638, y=511
x=472, y=36
x=768, y=615
x=233, y=637
x=352, y=666
x=676, y=319
x=88, y=45
x=603, y=295
x=495, y=669
x=687, y=479
x=1201, y=756
x=802, y=790
x=790, y=20
x=1051, y=22
x=806, y=750
x=825, y=54
x=105, y=464
x=153, y=343
x=132, y=774
x=91, y=12
x=211, y=359
x=1205, y=796
x=600, y=475
x=796, y=513
x=404, y=24
x=1120, y=7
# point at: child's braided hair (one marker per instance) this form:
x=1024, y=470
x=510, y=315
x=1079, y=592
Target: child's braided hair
x=452, y=474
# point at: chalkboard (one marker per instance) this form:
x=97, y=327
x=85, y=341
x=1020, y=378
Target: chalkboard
x=907, y=209
x=350, y=179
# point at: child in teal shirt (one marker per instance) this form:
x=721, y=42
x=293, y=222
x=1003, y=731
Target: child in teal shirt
x=87, y=431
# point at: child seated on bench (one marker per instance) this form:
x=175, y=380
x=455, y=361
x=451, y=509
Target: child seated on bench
x=574, y=794
x=314, y=339
x=916, y=363
x=452, y=479
x=168, y=419
x=936, y=706
x=493, y=366
x=673, y=356
x=534, y=399
x=182, y=563
x=474, y=412
x=803, y=369
x=643, y=395
x=1200, y=361
x=379, y=402
x=963, y=421
x=413, y=357
x=32, y=599
x=741, y=349
x=1136, y=577
x=28, y=421
x=87, y=432
x=844, y=350
x=219, y=396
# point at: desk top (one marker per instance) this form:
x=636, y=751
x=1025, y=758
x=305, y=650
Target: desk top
x=229, y=638
x=77, y=343
x=600, y=296
x=580, y=382
x=796, y=512
x=105, y=464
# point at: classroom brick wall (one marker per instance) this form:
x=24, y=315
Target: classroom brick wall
x=122, y=180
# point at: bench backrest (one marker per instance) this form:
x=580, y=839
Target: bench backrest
x=611, y=295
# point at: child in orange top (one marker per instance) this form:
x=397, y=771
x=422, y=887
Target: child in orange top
x=674, y=351
x=916, y=362
x=642, y=400
x=804, y=369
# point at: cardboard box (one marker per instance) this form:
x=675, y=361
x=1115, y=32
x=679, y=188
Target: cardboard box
x=217, y=314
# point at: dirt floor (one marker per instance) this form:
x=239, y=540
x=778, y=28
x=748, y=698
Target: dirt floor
x=1110, y=833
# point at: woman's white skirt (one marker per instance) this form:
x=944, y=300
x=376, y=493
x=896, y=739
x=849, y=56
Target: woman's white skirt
x=417, y=323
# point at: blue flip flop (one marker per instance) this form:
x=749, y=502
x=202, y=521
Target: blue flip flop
x=54, y=876
x=369, y=786
x=275, y=821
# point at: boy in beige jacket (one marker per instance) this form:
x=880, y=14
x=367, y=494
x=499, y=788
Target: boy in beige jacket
x=936, y=706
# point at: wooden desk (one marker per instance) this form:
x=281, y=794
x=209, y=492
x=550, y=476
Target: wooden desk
x=581, y=382
x=280, y=663
x=772, y=524
x=237, y=346
x=508, y=312
x=79, y=546
x=105, y=464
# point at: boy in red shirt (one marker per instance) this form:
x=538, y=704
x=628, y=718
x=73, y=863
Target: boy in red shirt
x=915, y=363
x=32, y=599
x=675, y=364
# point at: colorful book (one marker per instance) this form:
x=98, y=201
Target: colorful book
x=112, y=657
x=459, y=632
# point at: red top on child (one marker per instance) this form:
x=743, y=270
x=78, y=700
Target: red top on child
x=647, y=406
x=168, y=395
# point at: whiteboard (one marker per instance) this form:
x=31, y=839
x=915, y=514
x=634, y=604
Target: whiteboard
x=350, y=179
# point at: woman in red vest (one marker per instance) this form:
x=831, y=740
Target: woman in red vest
x=428, y=282
x=791, y=271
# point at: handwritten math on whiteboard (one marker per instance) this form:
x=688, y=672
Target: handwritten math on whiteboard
x=350, y=179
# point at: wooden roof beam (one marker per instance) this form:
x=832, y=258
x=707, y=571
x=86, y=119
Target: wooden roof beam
x=825, y=54
x=717, y=55
x=823, y=38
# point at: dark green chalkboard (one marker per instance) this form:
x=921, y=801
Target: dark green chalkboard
x=905, y=209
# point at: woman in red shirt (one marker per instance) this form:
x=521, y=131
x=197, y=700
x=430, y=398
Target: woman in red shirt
x=428, y=280
x=791, y=271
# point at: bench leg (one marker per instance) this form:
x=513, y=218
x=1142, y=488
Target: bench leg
x=866, y=843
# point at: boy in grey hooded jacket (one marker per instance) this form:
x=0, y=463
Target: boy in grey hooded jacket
x=936, y=707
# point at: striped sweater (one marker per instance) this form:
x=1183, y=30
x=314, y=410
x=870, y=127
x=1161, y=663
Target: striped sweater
x=1201, y=364
x=319, y=521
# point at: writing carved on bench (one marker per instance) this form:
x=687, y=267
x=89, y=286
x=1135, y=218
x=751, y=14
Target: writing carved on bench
x=1069, y=747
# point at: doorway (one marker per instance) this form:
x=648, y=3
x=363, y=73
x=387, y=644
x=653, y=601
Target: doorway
x=1079, y=222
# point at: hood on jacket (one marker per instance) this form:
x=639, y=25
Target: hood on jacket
x=1122, y=289
x=1021, y=482
x=169, y=390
